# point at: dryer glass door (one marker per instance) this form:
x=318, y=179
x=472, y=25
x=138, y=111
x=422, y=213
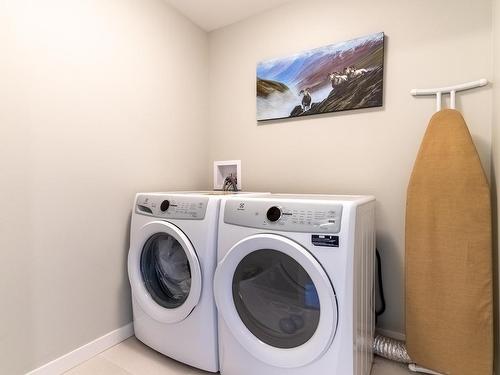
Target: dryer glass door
x=164, y=272
x=277, y=300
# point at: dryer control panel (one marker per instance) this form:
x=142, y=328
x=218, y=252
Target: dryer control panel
x=309, y=217
x=172, y=206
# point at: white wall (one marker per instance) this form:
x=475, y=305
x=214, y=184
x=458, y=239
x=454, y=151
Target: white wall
x=98, y=100
x=429, y=43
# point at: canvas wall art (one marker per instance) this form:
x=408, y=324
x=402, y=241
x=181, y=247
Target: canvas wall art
x=342, y=76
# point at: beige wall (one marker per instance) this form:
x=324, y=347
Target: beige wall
x=496, y=163
x=429, y=43
x=98, y=100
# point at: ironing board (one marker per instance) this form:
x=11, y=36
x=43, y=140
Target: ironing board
x=449, y=297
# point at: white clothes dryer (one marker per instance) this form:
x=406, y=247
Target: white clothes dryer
x=171, y=264
x=294, y=285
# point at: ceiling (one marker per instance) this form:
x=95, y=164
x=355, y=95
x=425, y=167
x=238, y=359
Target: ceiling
x=214, y=14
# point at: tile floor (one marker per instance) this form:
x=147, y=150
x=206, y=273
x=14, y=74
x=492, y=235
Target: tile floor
x=131, y=357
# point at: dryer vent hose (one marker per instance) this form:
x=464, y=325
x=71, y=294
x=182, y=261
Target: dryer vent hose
x=392, y=349
x=395, y=350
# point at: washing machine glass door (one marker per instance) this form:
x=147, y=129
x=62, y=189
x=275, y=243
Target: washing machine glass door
x=277, y=300
x=164, y=272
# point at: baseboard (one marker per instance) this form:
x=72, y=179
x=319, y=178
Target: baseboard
x=85, y=352
x=392, y=334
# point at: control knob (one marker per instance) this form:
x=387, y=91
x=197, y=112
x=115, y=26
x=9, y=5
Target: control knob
x=273, y=214
x=164, y=205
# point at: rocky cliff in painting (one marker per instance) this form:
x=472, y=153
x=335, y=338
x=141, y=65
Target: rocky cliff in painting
x=267, y=87
x=363, y=91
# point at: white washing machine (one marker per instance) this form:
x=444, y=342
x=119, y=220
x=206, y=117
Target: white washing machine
x=171, y=263
x=294, y=285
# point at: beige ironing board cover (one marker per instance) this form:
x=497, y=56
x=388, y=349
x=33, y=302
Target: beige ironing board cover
x=449, y=297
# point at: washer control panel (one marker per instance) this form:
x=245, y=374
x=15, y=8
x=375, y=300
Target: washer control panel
x=317, y=217
x=172, y=206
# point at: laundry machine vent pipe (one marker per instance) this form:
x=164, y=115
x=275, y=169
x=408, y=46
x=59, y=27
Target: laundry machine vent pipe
x=395, y=350
x=392, y=349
